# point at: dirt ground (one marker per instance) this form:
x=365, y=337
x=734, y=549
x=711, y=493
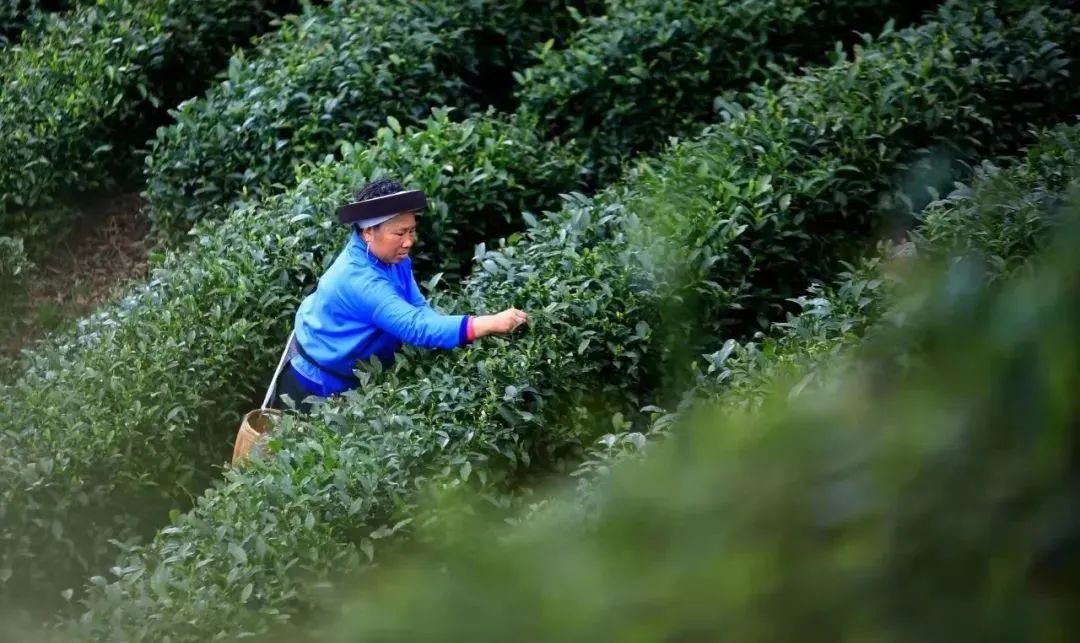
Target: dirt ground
x=106, y=249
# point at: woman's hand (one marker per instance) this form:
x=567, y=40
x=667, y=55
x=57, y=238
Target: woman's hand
x=500, y=323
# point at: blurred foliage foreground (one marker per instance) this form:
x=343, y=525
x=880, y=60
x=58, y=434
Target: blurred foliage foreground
x=927, y=493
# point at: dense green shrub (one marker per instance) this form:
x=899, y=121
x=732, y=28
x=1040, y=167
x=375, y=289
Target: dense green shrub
x=486, y=407
x=935, y=502
x=16, y=15
x=483, y=151
x=345, y=485
x=333, y=74
x=201, y=166
x=1004, y=218
x=183, y=356
x=81, y=95
x=830, y=319
x=650, y=69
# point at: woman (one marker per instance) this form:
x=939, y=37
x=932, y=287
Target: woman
x=367, y=303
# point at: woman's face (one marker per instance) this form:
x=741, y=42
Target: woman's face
x=391, y=240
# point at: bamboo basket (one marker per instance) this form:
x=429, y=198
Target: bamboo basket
x=257, y=424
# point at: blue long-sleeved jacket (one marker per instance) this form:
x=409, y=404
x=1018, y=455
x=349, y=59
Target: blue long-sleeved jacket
x=364, y=307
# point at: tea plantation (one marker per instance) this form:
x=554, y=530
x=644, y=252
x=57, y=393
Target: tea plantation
x=743, y=230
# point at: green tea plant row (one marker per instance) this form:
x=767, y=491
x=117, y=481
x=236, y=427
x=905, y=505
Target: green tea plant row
x=449, y=158
x=1008, y=212
x=345, y=486
x=830, y=321
x=1003, y=219
x=80, y=95
x=181, y=358
x=485, y=171
x=673, y=57
x=334, y=74
x=294, y=100
x=924, y=503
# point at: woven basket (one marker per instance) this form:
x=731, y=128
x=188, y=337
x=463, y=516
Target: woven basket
x=258, y=423
x=255, y=426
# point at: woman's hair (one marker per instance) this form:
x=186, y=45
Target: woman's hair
x=377, y=188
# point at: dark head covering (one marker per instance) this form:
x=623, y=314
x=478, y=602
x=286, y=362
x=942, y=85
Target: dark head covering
x=366, y=212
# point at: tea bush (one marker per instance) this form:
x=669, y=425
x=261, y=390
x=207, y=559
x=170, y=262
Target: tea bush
x=421, y=157
x=333, y=74
x=928, y=503
x=1004, y=218
x=1007, y=213
x=181, y=357
x=16, y=15
x=81, y=95
x=198, y=169
x=647, y=70
x=344, y=487
x=490, y=149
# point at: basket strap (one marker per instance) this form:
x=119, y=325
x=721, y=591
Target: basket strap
x=280, y=367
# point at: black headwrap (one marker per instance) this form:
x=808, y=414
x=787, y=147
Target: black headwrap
x=369, y=212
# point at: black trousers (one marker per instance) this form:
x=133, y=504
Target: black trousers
x=289, y=385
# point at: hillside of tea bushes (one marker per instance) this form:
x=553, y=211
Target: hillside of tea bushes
x=697, y=202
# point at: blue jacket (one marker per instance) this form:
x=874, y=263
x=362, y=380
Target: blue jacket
x=364, y=307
